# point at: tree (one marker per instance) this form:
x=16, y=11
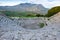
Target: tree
x=53, y=11
x=38, y=15
x=30, y=15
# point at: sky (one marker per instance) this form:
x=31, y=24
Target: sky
x=45, y=3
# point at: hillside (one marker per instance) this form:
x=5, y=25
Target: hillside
x=26, y=7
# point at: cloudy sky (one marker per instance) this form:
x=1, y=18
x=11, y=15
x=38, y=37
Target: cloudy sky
x=46, y=3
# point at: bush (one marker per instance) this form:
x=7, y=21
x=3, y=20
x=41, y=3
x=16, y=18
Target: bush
x=53, y=11
x=31, y=15
x=41, y=25
x=38, y=15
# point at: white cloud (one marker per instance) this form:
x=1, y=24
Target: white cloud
x=46, y=3
x=10, y=3
x=51, y=4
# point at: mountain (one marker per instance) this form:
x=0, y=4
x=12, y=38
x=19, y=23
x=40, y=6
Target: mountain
x=26, y=7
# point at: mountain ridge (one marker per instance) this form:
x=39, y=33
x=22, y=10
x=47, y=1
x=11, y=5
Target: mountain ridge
x=37, y=8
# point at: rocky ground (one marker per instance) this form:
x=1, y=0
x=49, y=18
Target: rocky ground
x=30, y=23
x=12, y=30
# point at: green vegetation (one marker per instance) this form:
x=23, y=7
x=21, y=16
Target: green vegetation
x=50, y=13
x=17, y=14
x=48, y=19
x=21, y=14
x=38, y=15
x=41, y=25
x=53, y=11
x=31, y=15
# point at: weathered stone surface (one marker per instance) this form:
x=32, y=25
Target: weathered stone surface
x=10, y=30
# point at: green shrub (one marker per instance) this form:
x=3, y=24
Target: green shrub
x=31, y=15
x=41, y=25
x=48, y=19
x=38, y=15
x=53, y=11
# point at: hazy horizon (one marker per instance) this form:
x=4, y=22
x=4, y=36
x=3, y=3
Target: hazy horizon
x=45, y=3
